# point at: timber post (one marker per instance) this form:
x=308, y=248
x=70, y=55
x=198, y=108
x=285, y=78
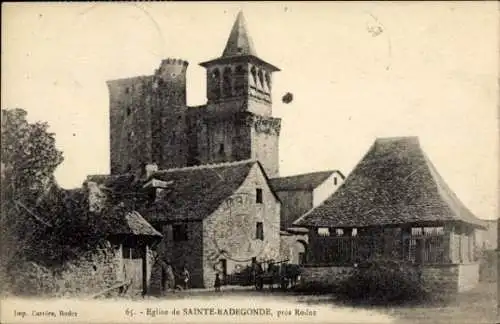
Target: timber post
x=144, y=269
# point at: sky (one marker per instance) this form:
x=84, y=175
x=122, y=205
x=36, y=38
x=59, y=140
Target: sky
x=357, y=70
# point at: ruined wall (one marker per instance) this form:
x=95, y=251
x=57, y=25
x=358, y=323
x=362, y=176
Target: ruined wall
x=232, y=228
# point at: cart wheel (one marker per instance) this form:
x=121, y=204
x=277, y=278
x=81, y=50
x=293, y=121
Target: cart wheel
x=258, y=285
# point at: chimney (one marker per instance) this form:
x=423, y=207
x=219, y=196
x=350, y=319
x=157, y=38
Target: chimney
x=150, y=169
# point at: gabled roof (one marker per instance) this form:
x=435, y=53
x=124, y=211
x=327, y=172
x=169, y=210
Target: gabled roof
x=239, y=41
x=394, y=183
x=305, y=181
x=197, y=191
x=122, y=221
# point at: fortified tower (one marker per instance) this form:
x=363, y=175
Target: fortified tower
x=148, y=119
x=238, y=122
x=151, y=123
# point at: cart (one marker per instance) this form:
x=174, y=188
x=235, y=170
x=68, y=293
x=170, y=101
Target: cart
x=276, y=274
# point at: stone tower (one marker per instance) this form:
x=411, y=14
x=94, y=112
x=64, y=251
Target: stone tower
x=148, y=119
x=237, y=122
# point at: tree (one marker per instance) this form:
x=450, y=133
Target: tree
x=40, y=221
x=29, y=158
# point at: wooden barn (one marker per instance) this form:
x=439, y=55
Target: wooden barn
x=394, y=204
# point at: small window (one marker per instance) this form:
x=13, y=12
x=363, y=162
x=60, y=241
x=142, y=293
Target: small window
x=180, y=232
x=259, y=231
x=129, y=252
x=129, y=111
x=323, y=231
x=221, y=148
x=335, y=181
x=127, y=90
x=258, y=198
x=339, y=231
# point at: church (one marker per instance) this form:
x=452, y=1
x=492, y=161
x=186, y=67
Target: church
x=207, y=177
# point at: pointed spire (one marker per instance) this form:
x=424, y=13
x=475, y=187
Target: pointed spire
x=239, y=41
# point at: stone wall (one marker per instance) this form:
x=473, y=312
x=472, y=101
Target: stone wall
x=89, y=274
x=468, y=276
x=92, y=272
x=265, y=134
x=442, y=279
x=326, y=189
x=232, y=228
x=130, y=123
x=451, y=278
x=183, y=253
x=324, y=275
x=291, y=245
x=294, y=204
x=147, y=118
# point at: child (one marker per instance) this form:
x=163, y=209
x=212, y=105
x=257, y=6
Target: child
x=185, y=274
x=217, y=282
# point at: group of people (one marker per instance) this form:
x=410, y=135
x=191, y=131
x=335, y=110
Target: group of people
x=169, y=278
x=169, y=282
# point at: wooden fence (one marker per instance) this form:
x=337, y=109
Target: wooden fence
x=348, y=250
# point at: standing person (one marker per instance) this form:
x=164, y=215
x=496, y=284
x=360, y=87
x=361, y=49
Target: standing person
x=217, y=282
x=185, y=276
x=170, y=277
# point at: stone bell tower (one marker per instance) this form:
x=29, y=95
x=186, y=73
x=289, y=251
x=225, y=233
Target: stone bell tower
x=239, y=104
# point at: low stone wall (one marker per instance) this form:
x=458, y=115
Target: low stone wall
x=89, y=274
x=442, y=279
x=324, y=275
x=468, y=276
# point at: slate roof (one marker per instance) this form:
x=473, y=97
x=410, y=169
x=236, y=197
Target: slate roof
x=122, y=221
x=239, y=41
x=306, y=181
x=239, y=47
x=196, y=192
x=394, y=183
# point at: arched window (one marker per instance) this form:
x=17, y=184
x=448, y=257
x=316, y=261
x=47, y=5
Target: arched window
x=239, y=80
x=254, y=75
x=226, y=82
x=268, y=80
x=261, y=78
x=215, y=82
